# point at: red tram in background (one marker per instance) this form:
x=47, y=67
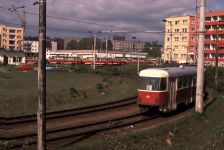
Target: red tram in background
x=165, y=88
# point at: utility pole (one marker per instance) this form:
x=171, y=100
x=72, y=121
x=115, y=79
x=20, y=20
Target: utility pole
x=94, y=53
x=106, y=47
x=171, y=38
x=138, y=48
x=138, y=64
x=216, y=62
x=171, y=41
x=41, y=118
x=200, y=66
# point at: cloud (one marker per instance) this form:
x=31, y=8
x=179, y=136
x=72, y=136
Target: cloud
x=134, y=14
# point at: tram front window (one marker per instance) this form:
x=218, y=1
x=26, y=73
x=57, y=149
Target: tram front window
x=152, y=84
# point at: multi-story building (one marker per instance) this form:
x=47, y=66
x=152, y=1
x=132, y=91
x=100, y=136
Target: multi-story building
x=121, y=44
x=11, y=37
x=176, y=43
x=53, y=46
x=31, y=46
x=214, y=37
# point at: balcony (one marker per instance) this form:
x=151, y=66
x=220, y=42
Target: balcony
x=213, y=51
x=221, y=43
x=210, y=32
x=213, y=59
x=210, y=41
x=215, y=23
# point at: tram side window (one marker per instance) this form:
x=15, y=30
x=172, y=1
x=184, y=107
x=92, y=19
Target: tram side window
x=194, y=78
x=152, y=84
x=190, y=81
x=180, y=82
x=185, y=81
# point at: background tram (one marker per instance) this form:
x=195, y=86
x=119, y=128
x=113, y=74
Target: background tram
x=165, y=88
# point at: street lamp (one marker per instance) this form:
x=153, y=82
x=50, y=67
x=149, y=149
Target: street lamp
x=135, y=47
x=171, y=40
x=94, y=51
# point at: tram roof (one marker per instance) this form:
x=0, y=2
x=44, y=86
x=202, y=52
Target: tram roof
x=168, y=72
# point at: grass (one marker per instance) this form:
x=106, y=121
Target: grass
x=19, y=96
x=196, y=132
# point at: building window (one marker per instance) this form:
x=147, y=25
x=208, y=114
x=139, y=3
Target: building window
x=175, y=56
x=170, y=23
x=177, y=30
x=12, y=36
x=176, y=39
x=11, y=47
x=184, y=21
x=177, y=22
x=184, y=39
x=208, y=19
x=183, y=55
x=184, y=30
x=12, y=31
x=184, y=47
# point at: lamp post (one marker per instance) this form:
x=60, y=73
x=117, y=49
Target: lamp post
x=93, y=64
x=171, y=40
x=135, y=47
x=106, y=47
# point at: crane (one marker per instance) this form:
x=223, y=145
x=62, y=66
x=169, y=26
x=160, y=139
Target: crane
x=20, y=14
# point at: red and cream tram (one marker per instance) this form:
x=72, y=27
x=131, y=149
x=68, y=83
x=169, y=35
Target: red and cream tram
x=165, y=88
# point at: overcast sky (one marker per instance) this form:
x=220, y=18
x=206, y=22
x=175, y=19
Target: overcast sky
x=144, y=15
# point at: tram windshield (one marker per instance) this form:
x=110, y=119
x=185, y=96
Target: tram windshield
x=152, y=84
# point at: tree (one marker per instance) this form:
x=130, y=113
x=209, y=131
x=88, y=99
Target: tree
x=109, y=45
x=85, y=43
x=71, y=45
x=60, y=42
x=153, y=49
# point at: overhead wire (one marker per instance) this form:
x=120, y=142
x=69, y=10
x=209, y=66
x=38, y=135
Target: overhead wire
x=76, y=20
x=92, y=23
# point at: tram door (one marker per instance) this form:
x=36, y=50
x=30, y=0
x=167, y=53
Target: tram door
x=172, y=104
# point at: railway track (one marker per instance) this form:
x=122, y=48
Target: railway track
x=5, y=121
x=22, y=129
x=76, y=131
x=83, y=130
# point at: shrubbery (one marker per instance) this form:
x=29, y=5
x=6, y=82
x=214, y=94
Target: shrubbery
x=210, y=78
x=75, y=94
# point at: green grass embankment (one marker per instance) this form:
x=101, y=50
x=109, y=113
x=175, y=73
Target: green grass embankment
x=195, y=132
x=81, y=87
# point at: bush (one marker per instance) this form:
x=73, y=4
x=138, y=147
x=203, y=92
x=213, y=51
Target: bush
x=73, y=92
x=210, y=78
x=99, y=88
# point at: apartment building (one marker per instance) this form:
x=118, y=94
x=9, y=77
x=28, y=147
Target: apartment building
x=214, y=37
x=121, y=44
x=31, y=46
x=176, y=42
x=11, y=37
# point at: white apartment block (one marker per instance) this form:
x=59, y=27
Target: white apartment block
x=31, y=46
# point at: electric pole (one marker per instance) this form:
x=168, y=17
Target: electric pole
x=200, y=66
x=41, y=122
x=94, y=58
x=216, y=62
x=106, y=47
